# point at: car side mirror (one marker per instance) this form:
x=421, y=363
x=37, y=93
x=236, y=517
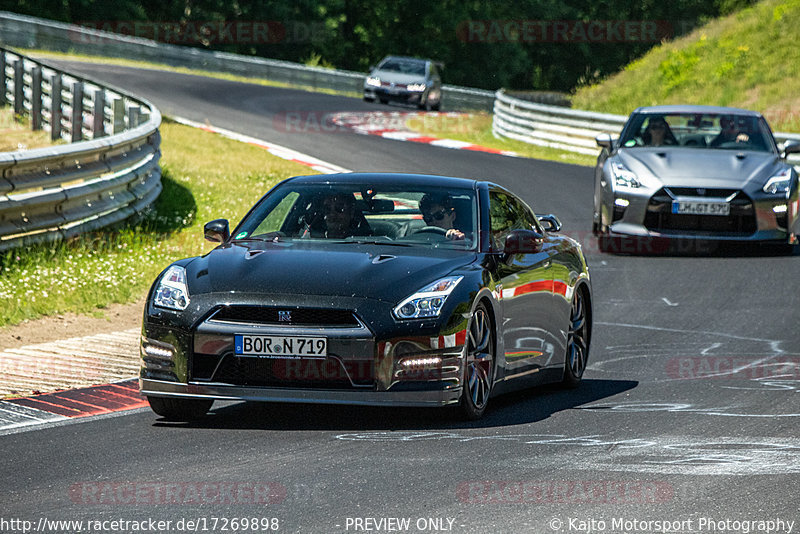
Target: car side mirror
x=604, y=140
x=523, y=242
x=217, y=231
x=550, y=222
x=791, y=146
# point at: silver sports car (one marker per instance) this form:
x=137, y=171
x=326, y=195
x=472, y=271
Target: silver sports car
x=696, y=172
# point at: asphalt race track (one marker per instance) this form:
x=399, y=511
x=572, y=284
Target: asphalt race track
x=688, y=412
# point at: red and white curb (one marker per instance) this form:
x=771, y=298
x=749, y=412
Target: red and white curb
x=276, y=150
x=70, y=404
x=394, y=125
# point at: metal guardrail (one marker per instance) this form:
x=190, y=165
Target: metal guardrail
x=107, y=173
x=551, y=126
x=564, y=128
x=34, y=33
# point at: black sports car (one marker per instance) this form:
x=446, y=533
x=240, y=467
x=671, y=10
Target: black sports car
x=372, y=289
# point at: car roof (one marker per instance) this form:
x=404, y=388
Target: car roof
x=680, y=108
x=387, y=179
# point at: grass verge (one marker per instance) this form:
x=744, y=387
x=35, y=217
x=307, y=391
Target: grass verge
x=205, y=176
x=749, y=59
x=476, y=128
x=16, y=133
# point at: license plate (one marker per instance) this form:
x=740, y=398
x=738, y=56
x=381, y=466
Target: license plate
x=701, y=208
x=280, y=346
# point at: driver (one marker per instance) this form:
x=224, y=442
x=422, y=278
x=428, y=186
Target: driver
x=729, y=132
x=438, y=210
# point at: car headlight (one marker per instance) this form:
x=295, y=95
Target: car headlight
x=172, y=291
x=780, y=183
x=374, y=81
x=623, y=177
x=428, y=301
x=416, y=87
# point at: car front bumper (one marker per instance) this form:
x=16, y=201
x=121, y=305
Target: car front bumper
x=764, y=219
x=405, y=97
x=162, y=388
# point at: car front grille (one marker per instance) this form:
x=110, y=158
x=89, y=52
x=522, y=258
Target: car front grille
x=329, y=373
x=285, y=316
x=741, y=221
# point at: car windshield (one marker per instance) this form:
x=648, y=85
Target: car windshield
x=393, y=215
x=698, y=130
x=403, y=66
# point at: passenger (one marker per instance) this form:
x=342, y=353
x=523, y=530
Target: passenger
x=438, y=210
x=658, y=133
x=336, y=218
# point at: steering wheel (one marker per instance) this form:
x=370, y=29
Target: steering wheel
x=432, y=230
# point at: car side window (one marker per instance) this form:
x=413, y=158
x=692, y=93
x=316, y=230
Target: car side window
x=505, y=214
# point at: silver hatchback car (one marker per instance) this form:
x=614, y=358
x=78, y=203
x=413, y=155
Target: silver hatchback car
x=703, y=172
x=405, y=80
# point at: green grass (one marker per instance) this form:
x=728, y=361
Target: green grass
x=16, y=133
x=104, y=60
x=205, y=176
x=476, y=128
x=749, y=59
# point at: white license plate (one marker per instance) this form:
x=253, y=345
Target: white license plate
x=280, y=346
x=701, y=208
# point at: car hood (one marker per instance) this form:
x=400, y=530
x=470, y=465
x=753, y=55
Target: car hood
x=694, y=167
x=397, y=77
x=336, y=270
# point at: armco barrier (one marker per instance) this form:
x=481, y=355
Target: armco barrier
x=564, y=128
x=106, y=174
x=34, y=33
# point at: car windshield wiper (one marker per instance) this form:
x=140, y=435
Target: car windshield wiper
x=372, y=242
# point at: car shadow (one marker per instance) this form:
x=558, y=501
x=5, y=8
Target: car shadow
x=506, y=410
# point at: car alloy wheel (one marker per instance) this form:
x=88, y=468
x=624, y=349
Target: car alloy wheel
x=577, y=340
x=478, y=365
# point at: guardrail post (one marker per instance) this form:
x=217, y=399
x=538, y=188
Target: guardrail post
x=36, y=98
x=77, y=112
x=55, y=106
x=98, y=124
x=133, y=116
x=19, y=83
x=118, y=115
x=2, y=77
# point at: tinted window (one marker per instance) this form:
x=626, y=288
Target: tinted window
x=415, y=216
x=698, y=130
x=506, y=213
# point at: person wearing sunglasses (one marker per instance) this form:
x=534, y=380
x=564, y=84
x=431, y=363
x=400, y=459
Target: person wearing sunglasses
x=438, y=210
x=730, y=132
x=335, y=216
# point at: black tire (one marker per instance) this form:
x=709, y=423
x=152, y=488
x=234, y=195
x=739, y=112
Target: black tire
x=478, y=365
x=369, y=99
x=180, y=409
x=384, y=101
x=578, y=339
